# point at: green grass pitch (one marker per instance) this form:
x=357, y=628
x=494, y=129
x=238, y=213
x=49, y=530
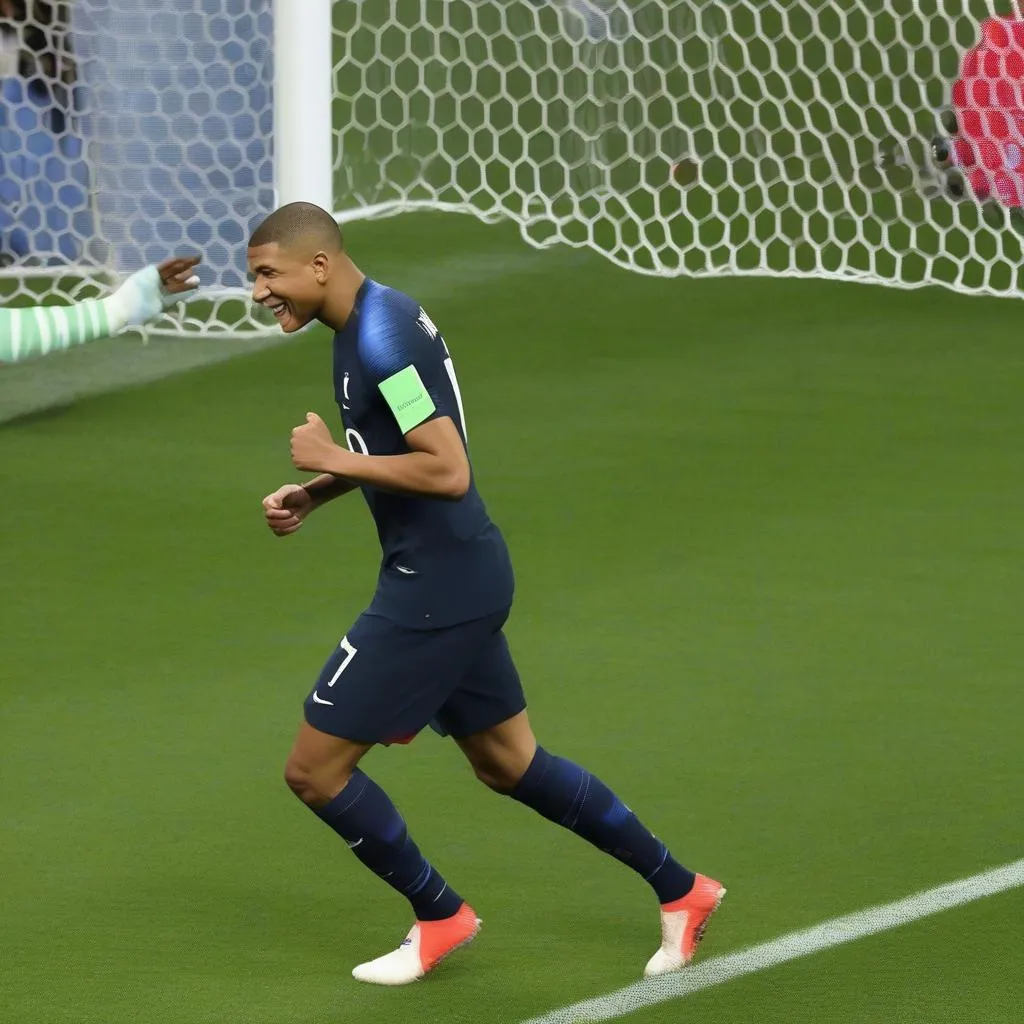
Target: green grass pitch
x=768, y=544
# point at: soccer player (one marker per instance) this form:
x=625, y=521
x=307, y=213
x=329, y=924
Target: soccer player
x=429, y=649
x=31, y=331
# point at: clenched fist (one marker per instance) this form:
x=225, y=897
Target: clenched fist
x=286, y=508
x=312, y=445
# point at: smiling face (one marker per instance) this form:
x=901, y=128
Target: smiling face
x=288, y=282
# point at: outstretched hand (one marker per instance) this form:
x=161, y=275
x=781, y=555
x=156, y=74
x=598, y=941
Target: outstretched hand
x=152, y=290
x=176, y=274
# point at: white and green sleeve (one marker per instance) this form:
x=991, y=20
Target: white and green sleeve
x=39, y=330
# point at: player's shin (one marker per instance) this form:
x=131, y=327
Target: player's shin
x=570, y=796
x=364, y=816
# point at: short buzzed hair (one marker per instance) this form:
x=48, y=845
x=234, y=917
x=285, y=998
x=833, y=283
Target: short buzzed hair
x=300, y=225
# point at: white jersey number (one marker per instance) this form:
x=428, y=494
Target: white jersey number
x=355, y=442
x=350, y=653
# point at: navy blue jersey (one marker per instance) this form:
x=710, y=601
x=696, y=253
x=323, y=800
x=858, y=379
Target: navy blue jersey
x=444, y=562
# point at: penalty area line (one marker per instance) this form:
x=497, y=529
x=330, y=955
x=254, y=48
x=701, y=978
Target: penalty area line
x=792, y=946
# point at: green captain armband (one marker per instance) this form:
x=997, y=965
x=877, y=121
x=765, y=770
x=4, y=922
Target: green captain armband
x=408, y=398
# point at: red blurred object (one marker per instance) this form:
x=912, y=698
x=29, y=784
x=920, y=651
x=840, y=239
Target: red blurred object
x=988, y=99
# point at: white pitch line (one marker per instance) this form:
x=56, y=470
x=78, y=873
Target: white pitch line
x=788, y=947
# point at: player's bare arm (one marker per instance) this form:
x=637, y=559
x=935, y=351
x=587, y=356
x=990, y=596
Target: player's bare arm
x=326, y=487
x=436, y=466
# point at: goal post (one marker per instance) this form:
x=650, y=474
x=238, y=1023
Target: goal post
x=131, y=130
x=303, y=96
x=860, y=140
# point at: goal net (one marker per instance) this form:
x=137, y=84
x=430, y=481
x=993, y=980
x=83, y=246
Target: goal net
x=691, y=137
x=131, y=130
x=868, y=140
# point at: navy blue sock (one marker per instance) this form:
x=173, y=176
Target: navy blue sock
x=568, y=795
x=370, y=824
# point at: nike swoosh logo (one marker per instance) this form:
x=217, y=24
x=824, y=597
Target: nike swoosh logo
x=318, y=700
x=408, y=572
x=352, y=846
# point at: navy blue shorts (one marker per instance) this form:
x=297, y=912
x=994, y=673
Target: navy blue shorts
x=384, y=683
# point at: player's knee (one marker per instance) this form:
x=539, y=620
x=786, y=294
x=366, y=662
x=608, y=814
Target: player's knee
x=501, y=775
x=314, y=787
x=501, y=755
x=494, y=777
x=299, y=780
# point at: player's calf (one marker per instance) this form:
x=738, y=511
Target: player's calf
x=572, y=797
x=508, y=759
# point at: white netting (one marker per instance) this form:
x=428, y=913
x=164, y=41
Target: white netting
x=677, y=137
x=131, y=130
x=800, y=131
